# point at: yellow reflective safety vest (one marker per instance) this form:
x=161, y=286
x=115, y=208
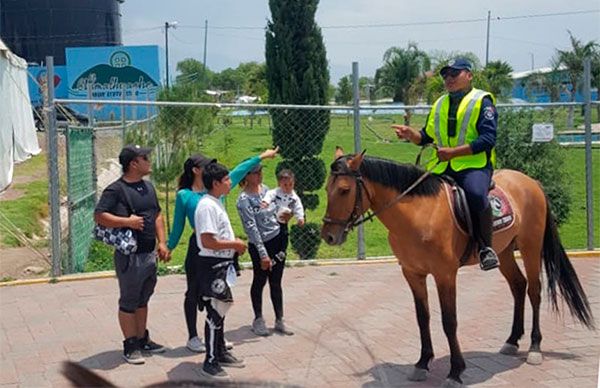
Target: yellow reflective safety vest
x=466, y=124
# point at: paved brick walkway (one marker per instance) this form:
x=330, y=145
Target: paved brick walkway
x=355, y=326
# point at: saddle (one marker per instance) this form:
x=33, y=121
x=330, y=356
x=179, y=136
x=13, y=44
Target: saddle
x=502, y=211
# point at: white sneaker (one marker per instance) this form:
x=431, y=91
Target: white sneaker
x=228, y=345
x=195, y=345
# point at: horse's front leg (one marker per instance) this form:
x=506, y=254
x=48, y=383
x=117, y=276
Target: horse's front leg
x=418, y=286
x=446, y=285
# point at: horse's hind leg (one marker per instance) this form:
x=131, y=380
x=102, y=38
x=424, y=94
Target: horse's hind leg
x=418, y=286
x=518, y=285
x=531, y=252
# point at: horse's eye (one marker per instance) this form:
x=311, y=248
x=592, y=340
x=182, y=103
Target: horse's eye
x=344, y=190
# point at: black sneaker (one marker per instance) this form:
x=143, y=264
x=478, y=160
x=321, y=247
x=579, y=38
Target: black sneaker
x=149, y=346
x=214, y=371
x=488, y=259
x=229, y=360
x=131, y=351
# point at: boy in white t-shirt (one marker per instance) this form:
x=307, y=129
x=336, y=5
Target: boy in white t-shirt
x=218, y=247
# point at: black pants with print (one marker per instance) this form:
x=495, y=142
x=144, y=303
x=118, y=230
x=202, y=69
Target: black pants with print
x=274, y=248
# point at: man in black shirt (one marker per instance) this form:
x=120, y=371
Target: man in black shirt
x=131, y=202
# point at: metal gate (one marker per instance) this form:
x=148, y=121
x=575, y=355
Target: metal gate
x=81, y=185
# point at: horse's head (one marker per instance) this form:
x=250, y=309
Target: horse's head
x=347, y=197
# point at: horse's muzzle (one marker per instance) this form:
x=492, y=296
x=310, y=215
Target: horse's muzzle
x=332, y=238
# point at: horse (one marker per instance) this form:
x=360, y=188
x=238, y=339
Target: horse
x=413, y=205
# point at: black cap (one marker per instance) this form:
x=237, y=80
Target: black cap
x=197, y=160
x=130, y=152
x=456, y=64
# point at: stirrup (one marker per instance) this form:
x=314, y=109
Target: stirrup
x=488, y=259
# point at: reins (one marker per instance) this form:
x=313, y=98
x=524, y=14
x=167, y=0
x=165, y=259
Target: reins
x=355, y=218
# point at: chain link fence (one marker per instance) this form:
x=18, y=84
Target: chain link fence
x=307, y=137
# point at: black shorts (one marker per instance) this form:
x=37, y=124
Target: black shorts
x=136, y=274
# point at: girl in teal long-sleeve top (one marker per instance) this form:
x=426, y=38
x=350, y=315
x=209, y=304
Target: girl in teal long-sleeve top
x=191, y=190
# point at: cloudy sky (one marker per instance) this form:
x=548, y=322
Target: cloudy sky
x=361, y=30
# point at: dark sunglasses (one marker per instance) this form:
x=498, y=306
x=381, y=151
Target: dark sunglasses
x=451, y=73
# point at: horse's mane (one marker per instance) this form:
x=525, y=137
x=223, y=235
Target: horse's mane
x=391, y=174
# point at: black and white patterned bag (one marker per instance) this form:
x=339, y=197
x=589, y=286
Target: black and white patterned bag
x=122, y=239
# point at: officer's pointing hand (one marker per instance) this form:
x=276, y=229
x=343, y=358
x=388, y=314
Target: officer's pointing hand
x=404, y=132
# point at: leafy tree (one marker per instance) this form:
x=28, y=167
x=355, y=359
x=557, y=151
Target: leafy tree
x=497, y=74
x=572, y=60
x=297, y=73
x=191, y=71
x=401, y=67
x=343, y=93
x=177, y=134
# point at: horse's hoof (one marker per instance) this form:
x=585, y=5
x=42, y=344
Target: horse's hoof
x=418, y=374
x=509, y=349
x=451, y=383
x=534, y=358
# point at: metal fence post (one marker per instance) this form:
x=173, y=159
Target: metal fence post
x=53, y=174
x=587, y=95
x=123, y=119
x=361, y=253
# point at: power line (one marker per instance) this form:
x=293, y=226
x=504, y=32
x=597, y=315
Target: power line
x=412, y=24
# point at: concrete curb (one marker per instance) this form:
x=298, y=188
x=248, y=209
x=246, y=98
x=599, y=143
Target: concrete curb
x=248, y=265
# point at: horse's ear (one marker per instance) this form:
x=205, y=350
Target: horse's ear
x=356, y=161
x=339, y=152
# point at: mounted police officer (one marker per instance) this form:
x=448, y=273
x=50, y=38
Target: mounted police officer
x=462, y=124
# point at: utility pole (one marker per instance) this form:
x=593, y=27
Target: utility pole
x=532, y=62
x=487, y=40
x=205, y=41
x=167, y=26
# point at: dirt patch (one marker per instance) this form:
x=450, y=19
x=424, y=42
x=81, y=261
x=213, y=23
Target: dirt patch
x=11, y=194
x=22, y=263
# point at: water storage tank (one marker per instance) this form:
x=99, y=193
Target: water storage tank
x=36, y=28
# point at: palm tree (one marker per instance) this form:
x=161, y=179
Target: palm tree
x=498, y=78
x=572, y=60
x=401, y=67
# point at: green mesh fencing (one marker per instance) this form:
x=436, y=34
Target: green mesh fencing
x=81, y=184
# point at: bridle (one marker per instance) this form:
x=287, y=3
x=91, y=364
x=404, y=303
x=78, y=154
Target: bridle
x=355, y=217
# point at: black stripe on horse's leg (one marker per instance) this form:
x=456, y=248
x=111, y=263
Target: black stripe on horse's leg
x=532, y=263
x=447, y=293
x=418, y=286
x=518, y=285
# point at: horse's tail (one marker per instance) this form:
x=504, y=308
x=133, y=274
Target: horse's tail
x=560, y=270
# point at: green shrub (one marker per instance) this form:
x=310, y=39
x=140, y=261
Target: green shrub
x=305, y=240
x=541, y=161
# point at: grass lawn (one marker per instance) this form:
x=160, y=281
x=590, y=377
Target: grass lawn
x=26, y=211
x=239, y=141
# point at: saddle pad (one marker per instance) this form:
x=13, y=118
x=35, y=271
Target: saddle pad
x=502, y=211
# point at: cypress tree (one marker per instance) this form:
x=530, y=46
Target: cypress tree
x=297, y=74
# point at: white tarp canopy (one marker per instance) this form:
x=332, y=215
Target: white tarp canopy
x=18, y=140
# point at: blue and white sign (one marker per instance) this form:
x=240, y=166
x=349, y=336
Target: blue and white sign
x=114, y=73
x=37, y=81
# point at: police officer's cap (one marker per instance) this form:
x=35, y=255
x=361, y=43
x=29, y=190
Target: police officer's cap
x=456, y=64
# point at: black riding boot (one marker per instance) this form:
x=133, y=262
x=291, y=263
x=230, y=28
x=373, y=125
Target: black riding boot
x=487, y=257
